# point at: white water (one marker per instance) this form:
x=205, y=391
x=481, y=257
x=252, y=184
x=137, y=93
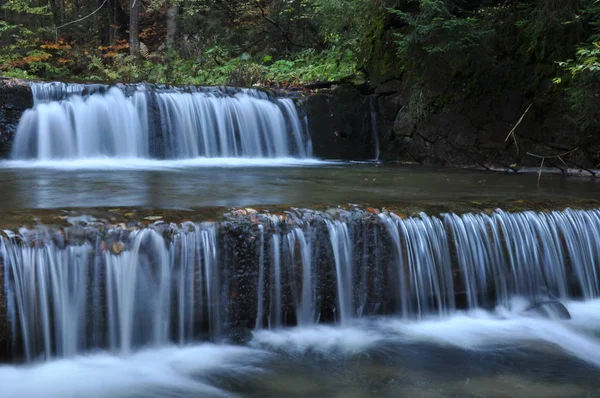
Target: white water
x=193, y=370
x=56, y=91
x=135, y=123
x=171, y=283
x=374, y=126
x=110, y=125
x=103, y=163
x=148, y=373
x=341, y=245
x=304, y=294
x=470, y=330
x=67, y=301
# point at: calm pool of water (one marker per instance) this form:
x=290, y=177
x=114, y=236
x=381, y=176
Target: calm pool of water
x=238, y=182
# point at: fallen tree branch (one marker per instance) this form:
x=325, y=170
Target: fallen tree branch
x=559, y=157
x=552, y=156
x=493, y=160
x=540, y=172
x=593, y=173
x=562, y=170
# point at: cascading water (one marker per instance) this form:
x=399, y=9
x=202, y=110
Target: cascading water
x=344, y=269
x=84, y=288
x=100, y=125
x=57, y=91
x=116, y=295
x=374, y=125
x=73, y=121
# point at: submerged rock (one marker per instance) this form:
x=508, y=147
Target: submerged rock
x=552, y=309
x=239, y=335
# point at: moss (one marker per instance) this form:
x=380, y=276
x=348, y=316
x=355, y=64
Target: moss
x=12, y=220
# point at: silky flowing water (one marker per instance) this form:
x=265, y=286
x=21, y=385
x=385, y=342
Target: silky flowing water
x=469, y=355
x=339, y=288
x=70, y=122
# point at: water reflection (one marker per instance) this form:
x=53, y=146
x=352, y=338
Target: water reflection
x=239, y=184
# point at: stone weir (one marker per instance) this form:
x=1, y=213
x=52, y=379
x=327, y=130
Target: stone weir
x=101, y=282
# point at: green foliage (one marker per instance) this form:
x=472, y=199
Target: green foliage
x=437, y=45
x=218, y=41
x=581, y=80
x=25, y=7
x=548, y=26
x=311, y=66
x=17, y=73
x=341, y=21
x=436, y=34
x=586, y=64
x=54, y=63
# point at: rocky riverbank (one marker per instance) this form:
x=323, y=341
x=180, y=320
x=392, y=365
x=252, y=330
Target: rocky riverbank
x=504, y=132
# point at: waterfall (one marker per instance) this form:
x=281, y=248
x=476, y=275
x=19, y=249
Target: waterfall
x=57, y=91
x=303, y=288
x=74, y=121
x=127, y=297
x=79, y=288
x=374, y=125
x=342, y=253
x=275, y=320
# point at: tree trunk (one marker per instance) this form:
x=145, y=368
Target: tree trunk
x=111, y=18
x=55, y=9
x=134, y=27
x=63, y=11
x=172, y=12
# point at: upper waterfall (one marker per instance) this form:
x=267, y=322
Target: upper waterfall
x=75, y=121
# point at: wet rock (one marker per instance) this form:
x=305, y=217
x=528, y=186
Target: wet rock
x=389, y=87
x=453, y=128
x=15, y=98
x=552, y=309
x=239, y=335
x=340, y=124
x=404, y=123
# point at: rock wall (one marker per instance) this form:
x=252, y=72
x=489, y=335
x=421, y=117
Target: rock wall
x=15, y=98
x=340, y=124
x=464, y=131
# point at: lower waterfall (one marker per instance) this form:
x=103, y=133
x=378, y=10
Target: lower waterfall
x=100, y=286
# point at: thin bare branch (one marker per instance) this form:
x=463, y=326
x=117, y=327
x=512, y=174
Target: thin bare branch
x=81, y=19
x=284, y=33
x=512, y=131
x=552, y=156
x=559, y=157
